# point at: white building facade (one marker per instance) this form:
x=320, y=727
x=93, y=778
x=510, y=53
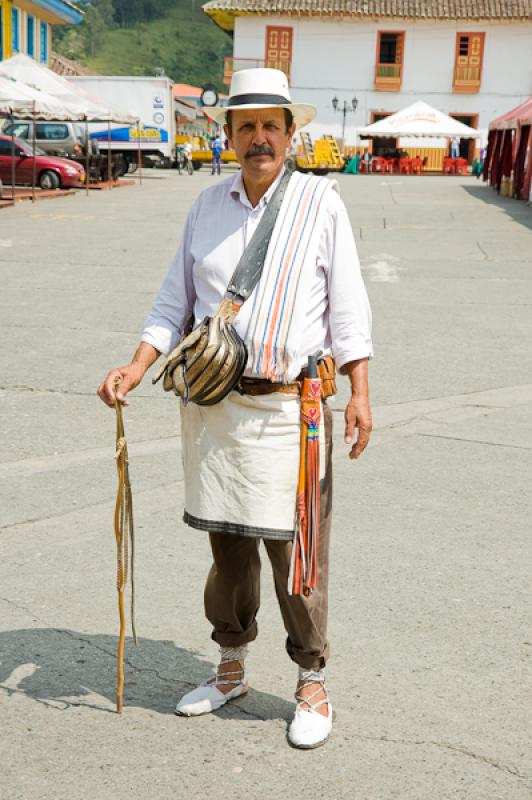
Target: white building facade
x=459, y=56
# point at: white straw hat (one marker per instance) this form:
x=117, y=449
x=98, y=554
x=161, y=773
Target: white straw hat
x=262, y=88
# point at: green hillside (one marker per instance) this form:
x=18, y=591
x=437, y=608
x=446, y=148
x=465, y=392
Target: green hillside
x=184, y=43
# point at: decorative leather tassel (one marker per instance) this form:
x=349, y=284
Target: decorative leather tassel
x=303, y=576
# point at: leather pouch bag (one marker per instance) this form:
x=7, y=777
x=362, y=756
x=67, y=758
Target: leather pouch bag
x=207, y=363
x=327, y=373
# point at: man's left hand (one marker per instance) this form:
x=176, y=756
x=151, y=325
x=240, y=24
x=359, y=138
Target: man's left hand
x=357, y=415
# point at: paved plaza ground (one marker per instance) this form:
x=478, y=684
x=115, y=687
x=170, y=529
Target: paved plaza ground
x=430, y=608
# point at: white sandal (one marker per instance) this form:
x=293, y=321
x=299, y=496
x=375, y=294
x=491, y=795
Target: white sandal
x=208, y=697
x=309, y=728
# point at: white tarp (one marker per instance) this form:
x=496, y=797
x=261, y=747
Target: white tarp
x=19, y=100
x=24, y=69
x=419, y=119
x=185, y=109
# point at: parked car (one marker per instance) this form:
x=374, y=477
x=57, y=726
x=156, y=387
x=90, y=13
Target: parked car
x=50, y=172
x=67, y=140
x=62, y=139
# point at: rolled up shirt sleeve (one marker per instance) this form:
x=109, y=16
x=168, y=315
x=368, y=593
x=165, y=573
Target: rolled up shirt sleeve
x=349, y=309
x=174, y=303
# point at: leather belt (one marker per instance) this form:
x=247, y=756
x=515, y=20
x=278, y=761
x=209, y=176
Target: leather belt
x=257, y=386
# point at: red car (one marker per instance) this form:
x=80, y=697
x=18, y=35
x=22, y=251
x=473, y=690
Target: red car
x=50, y=172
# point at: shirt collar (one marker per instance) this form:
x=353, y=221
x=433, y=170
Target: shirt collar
x=238, y=190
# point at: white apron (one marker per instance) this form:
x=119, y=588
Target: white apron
x=241, y=464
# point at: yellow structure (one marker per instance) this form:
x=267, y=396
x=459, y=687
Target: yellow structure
x=201, y=152
x=323, y=155
x=26, y=26
x=432, y=157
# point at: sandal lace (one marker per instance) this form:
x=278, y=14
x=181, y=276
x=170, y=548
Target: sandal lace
x=230, y=654
x=309, y=678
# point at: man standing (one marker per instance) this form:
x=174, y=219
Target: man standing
x=241, y=456
x=217, y=148
x=184, y=157
x=455, y=147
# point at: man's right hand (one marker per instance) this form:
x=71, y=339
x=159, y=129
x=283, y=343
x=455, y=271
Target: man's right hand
x=128, y=376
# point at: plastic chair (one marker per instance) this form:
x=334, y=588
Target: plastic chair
x=449, y=166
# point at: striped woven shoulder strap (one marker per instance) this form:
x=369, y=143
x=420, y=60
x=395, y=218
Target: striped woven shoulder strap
x=291, y=246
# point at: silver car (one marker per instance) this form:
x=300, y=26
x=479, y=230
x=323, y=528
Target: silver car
x=66, y=139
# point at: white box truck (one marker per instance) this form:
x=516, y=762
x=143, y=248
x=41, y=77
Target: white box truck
x=151, y=100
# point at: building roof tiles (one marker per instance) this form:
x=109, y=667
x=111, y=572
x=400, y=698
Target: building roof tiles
x=411, y=9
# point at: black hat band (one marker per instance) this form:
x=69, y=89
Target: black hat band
x=258, y=99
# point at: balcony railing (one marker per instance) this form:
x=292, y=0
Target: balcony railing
x=388, y=77
x=388, y=71
x=232, y=65
x=467, y=78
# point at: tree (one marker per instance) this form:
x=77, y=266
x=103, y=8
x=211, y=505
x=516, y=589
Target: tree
x=105, y=8
x=94, y=30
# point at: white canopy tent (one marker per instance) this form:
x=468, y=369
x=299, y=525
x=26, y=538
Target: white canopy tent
x=419, y=120
x=25, y=70
x=19, y=100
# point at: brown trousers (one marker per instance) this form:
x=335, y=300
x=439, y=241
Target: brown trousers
x=232, y=591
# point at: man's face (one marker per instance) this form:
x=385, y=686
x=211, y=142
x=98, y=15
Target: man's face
x=260, y=140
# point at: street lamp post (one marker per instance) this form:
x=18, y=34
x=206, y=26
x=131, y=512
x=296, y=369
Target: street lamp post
x=344, y=110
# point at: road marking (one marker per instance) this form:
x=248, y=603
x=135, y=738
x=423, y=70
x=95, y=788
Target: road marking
x=64, y=461
x=6, y=242
x=426, y=417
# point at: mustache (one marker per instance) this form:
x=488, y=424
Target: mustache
x=260, y=150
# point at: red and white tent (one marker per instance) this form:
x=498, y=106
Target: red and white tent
x=513, y=118
x=508, y=164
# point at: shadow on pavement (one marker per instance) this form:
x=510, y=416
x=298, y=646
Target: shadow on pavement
x=519, y=210
x=64, y=668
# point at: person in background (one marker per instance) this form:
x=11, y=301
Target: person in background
x=184, y=157
x=478, y=163
x=351, y=167
x=455, y=147
x=187, y=150
x=216, y=148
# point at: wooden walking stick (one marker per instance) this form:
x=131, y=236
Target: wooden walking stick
x=125, y=544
